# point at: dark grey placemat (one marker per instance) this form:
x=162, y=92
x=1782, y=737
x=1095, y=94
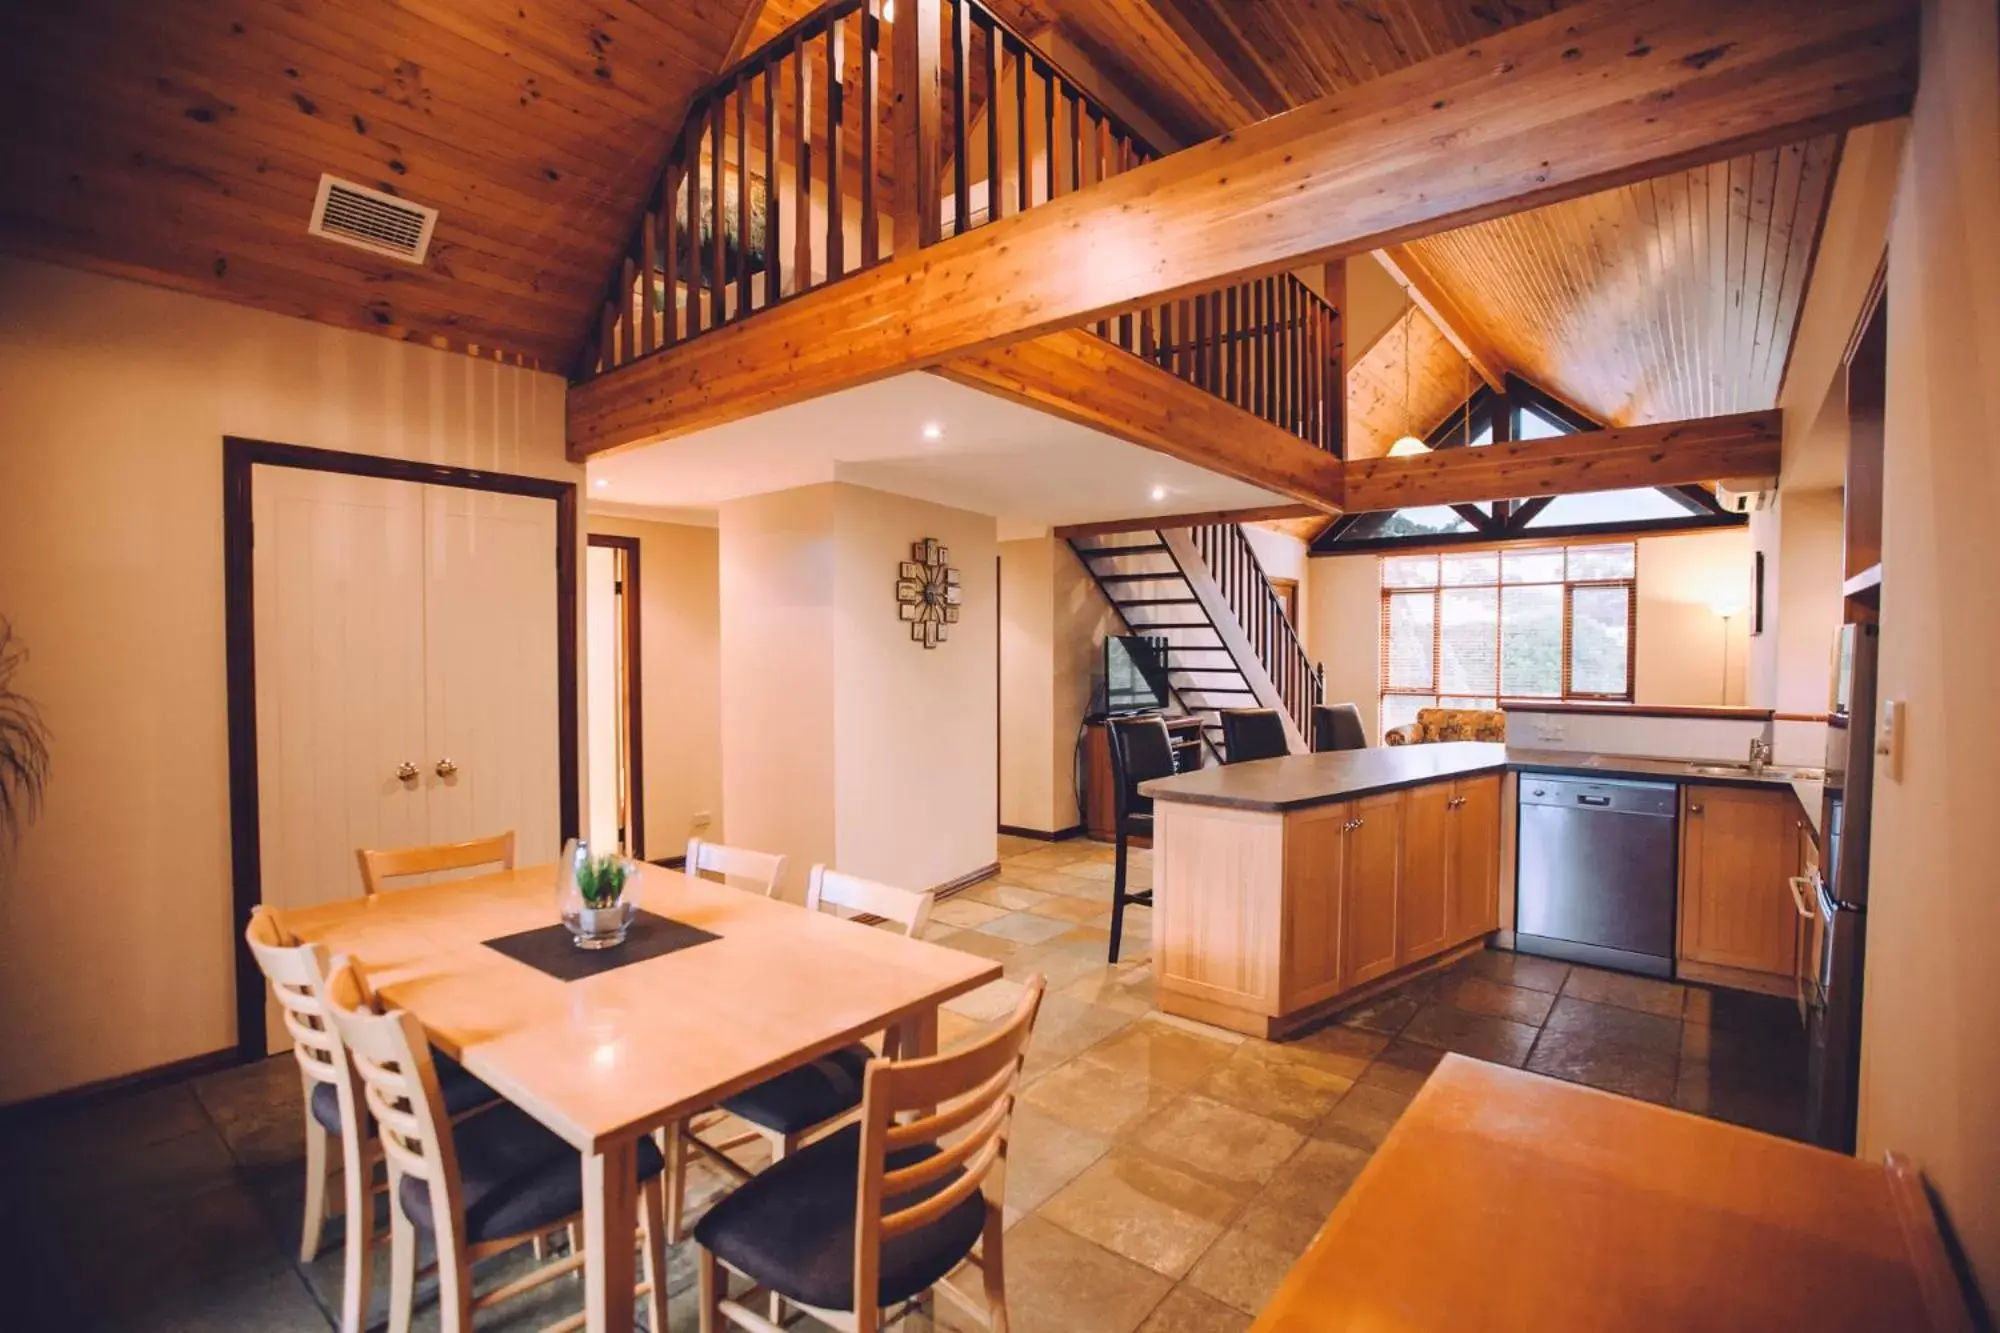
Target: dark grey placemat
x=550, y=949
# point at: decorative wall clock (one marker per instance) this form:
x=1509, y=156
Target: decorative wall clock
x=927, y=592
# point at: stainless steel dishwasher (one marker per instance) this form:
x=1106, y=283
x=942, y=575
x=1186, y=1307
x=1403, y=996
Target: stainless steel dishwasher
x=1595, y=875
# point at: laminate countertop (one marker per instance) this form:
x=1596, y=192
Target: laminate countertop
x=1295, y=782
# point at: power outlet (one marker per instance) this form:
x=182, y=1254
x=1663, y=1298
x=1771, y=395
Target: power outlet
x=702, y=819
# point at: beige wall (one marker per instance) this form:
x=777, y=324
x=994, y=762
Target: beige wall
x=680, y=625
x=1028, y=786
x=116, y=938
x=1931, y=1031
x=1680, y=639
x=1083, y=618
x=842, y=740
x=916, y=745
x=1283, y=556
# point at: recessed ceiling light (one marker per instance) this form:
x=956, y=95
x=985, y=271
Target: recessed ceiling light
x=1159, y=494
x=601, y=483
x=933, y=431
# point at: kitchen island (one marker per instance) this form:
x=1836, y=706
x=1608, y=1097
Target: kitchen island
x=1290, y=887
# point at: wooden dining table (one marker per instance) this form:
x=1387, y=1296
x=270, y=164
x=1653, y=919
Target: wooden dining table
x=606, y=1059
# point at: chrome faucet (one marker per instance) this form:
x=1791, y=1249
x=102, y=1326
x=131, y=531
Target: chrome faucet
x=1760, y=755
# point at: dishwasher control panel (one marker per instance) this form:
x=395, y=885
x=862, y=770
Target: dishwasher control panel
x=1633, y=798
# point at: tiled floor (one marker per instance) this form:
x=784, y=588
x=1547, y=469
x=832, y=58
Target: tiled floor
x=1163, y=1175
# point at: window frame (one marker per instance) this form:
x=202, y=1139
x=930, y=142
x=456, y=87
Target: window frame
x=1386, y=593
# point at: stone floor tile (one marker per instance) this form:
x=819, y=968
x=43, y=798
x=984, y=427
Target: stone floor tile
x=1747, y=1079
x=1647, y=995
x=1386, y=1014
x=1338, y=1049
x=1772, y=1016
x=1145, y=1210
x=1058, y=1282
x=1518, y=969
x=1126, y=987
x=1012, y=897
x=1220, y=1140
x=964, y=912
x=1022, y=927
x=1315, y=1179
x=1079, y=911
x=1481, y=995
x=1615, y=1049
x=1186, y=1310
x=975, y=941
x=993, y=1000
x=1096, y=1097
x=1066, y=1028
x=1056, y=855
x=1477, y=1035
x=1244, y=1270
x=1160, y=1053
x=1044, y=1154
x=1288, y=1091
x=269, y=1299
x=1402, y=1067
x=1364, y=1117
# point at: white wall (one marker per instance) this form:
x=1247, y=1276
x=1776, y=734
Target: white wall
x=1344, y=632
x=1028, y=797
x=842, y=740
x=1931, y=1029
x=680, y=627
x=116, y=937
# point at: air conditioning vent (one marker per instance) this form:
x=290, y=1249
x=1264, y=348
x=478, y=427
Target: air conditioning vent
x=371, y=220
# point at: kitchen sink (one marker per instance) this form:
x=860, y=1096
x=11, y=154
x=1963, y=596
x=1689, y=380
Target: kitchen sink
x=1724, y=770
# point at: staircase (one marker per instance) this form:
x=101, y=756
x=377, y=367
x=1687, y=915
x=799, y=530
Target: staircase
x=1229, y=643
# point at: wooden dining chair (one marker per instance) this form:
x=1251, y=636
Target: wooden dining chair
x=333, y=1104
x=883, y=1211
x=478, y=1187
x=760, y=870
x=789, y=1108
x=377, y=866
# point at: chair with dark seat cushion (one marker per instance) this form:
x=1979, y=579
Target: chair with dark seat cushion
x=796, y=1100
x=462, y=1093
x=515, y=1178
x=792, y=1228
x=1337, y=727
x=1141, y=749
x=881, y=1212
x=478, y=1187
x=1253, y=733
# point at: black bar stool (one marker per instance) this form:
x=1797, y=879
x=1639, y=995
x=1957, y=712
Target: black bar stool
x=1252, y=733
x=1141, y=750
x=1337, y=727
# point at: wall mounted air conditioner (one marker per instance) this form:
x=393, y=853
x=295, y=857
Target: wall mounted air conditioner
x=1746, y=495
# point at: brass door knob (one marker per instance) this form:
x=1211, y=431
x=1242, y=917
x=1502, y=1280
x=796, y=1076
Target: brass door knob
x=445, y=768
x=406, y=771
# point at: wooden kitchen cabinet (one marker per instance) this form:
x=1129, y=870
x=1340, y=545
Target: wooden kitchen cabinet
x=1739, y=850
x=1368, y=890
x=1472, y=899
x=1423, y=889
x=1315, y=858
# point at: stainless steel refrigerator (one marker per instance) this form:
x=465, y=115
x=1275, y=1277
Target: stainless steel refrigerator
x=1833, y=999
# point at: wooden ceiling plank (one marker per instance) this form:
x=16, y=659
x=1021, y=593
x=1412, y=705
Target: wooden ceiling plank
x=1082, y=378
x=1661, y=454
x=1406, y=265
x=1710, y=79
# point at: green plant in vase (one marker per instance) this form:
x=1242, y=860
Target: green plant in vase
x=593, y=895
x=601, y=881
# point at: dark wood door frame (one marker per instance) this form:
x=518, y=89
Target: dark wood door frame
x=239, y=457
x=635, y=731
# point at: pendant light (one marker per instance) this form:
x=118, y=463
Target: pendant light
x=1407, y=445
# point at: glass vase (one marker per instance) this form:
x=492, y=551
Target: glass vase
x=596, y=895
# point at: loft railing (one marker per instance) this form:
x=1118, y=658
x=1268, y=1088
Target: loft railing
x=803, y=163
x=1234, y=567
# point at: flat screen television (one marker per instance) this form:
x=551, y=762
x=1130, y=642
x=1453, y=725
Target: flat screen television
x=1135, y=674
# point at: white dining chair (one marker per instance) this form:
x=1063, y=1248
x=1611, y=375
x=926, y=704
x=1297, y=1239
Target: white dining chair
x=763, y=871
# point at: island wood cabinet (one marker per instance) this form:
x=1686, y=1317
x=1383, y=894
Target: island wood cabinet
x=1740, y=846
x=1266, y=917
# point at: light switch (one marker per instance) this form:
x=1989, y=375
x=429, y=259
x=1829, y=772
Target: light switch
x=1889, y=739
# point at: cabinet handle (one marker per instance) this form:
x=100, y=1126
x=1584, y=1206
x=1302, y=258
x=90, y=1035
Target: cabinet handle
x=1694, y=809
x=445, y=768
x=406, y=771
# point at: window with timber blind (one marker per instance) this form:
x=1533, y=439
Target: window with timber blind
x=1471, y=629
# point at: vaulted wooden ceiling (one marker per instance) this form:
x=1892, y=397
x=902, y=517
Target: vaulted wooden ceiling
x=182, y=141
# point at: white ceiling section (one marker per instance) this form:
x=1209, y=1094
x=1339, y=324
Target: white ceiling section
x=1028, y=469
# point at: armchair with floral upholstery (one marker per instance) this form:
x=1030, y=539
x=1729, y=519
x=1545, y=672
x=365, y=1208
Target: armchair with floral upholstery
x=1450, y=724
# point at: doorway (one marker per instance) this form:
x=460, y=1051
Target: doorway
x=617, y=742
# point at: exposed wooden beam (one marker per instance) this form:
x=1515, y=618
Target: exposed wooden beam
x=1082, y=378
x=1453, y=320
x=1603, y=93
x=1071, y=531
x=1666, y=454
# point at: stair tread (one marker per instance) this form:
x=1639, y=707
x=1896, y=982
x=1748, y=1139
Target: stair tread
x=1092, y=552
x=1142, y=577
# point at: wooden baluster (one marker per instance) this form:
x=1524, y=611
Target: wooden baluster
x=1076, y=123
x=1024, y=165
x=961, y=106
x=670, y=248
x=718, y=285
x=918, y=100
x=1336, y=358
x=1215, y=343
x=1271, y=344
x=742, y=198
x=1147, y=333
x=1201, y=335
x=1294, y=327
x=1184, y=364
x=774, y=276
x=1052, y=186
x=836, y=111
x=995, y=172
x=628, y=273
x=802, y=247
x=871, y=43
x=1232, y=325
x=649, y=256
x=691, y=168
x=607, y=337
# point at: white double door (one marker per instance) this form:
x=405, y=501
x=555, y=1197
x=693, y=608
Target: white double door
x=406, y=673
